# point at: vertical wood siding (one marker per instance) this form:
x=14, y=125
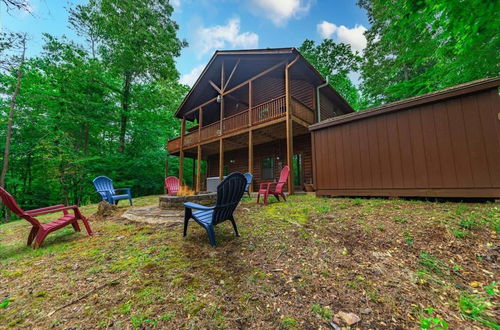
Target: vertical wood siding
x=448, y=148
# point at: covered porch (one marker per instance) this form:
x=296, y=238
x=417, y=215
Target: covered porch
x=263, y=152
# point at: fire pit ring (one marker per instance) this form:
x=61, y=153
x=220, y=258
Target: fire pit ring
x=177, y=202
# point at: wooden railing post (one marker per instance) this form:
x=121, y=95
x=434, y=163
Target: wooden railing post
x=200, y=123
x=221, y=160
x=250, y=104
x=181, y=153
x=250, y=156
x=198, y=170
x=221, y=98
x=289, y=132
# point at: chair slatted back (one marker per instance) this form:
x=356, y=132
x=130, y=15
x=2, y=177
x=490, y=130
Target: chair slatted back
x=283, y=178
x=249, y=178
x=11, y=204
x=104, y=183
x=172, y=185
x=229, y=194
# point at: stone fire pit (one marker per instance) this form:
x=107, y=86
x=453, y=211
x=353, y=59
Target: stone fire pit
x=170, y=211
x=177, y=202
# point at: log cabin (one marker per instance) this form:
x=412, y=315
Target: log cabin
x=249, y=111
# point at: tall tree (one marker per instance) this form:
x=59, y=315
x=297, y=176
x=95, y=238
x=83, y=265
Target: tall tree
x=17, y=4
x=335, y=61
x=137, y=39
x=416, y=47
x=16, y=62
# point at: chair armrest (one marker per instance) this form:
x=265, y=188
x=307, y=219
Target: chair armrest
x=190, y=205
x=268, y=184
x=46, y=208
x=53, y=210
x=122, y=189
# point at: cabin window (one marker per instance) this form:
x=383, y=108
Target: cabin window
x=268, y=168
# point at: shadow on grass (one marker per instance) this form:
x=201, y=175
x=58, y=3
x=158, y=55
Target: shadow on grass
x=55, y=242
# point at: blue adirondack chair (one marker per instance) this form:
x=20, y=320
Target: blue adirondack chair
x=104, y=187
x=249, y=178
x=229, y=194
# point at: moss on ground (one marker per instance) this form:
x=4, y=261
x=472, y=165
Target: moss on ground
x=296, y=265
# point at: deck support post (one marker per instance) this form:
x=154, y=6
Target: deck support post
x=221, y=160
x=250, y=104
x=198, y=170
x=250, y=157
x=289, y=128
x=181, y=153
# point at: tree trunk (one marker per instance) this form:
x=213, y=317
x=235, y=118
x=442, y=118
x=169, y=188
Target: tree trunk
x=11, y=116
x=125, y=110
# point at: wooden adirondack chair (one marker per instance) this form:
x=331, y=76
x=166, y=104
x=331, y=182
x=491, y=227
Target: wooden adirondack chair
x=104, y=187
x=40, y=231
x=249, y=178
x=229, y=194
x=274, y=188
x=172, y=185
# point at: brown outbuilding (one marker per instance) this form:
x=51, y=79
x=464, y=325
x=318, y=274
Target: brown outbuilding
x=442, y=144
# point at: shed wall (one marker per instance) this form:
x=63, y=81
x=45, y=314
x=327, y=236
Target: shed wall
x=446, y=148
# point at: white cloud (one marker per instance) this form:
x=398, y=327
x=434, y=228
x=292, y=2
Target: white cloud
x=280, y=11
x=354, y=37
x=190, y=78
x=220, y=36
x=326, y=29
x=175, y=3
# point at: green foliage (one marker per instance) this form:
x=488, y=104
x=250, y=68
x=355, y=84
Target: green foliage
x=431, y=322
x=334, y=61
x=475, y=308
x=431, y=263
x=5, y=303
x=400, y=219
x=324, y=312
x=76, y=120
x=289, y=323
x=416, y=47
x=408, y=237
x=459, y=233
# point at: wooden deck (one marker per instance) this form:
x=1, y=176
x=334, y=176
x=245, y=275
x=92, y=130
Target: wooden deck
x=262, y=115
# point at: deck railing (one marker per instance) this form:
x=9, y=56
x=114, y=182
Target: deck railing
x=261, y=113
x=210, y=131
x=235, y=122
x=270, y=110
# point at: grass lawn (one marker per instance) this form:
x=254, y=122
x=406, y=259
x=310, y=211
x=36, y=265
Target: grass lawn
x=393, y=263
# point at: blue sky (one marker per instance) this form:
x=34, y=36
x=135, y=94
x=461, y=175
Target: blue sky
x=208, y=25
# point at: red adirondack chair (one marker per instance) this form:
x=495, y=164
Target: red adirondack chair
x=40, y=231
x=274, y=188
x=171, y=185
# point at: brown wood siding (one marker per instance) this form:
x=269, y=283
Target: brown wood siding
x=303, y=91
x=327, y=107
x=237, y=160
x=267, y=88
x=443, y=148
